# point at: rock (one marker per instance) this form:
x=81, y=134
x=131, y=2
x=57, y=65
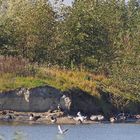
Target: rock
x=47, y=98
x=38, y=99
x=65, y=102
x=82, y=101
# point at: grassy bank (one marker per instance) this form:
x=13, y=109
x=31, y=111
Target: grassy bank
x=23, y=74
x=59, y=78
x=63, y=79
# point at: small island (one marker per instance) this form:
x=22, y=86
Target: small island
x=63, y=64
x=47, y=105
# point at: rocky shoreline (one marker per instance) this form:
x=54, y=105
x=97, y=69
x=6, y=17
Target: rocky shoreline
x=40, y=118
x=58, y=117
x=49, y=105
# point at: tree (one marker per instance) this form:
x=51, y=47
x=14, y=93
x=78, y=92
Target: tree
x=31, y=26
x=126, y=71
x=88, y=34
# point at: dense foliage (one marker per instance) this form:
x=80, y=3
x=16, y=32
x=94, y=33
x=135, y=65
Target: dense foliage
x=100, y=36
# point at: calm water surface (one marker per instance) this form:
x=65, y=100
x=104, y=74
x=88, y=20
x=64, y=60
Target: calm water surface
x=75, y=132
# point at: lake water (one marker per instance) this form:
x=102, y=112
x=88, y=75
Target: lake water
x=75, y=132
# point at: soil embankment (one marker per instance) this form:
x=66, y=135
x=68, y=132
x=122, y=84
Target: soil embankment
x=42, y=99
x=49, y=99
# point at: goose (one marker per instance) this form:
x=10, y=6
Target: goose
x=93, y=118
x=8, y=117
x=100, y=117
x=80, y=118
x=61, y=131
x=79, y=114
x=59, y=107
x=121, y=117
x=113, y=119
x=53, y=119
x=34, y=118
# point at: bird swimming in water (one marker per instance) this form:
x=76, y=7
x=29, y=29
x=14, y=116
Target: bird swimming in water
x=61, y=131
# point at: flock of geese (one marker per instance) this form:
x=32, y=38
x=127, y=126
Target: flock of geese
x=78, y=118
x=53, y=120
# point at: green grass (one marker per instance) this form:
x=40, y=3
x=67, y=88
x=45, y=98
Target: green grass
x=68, y=79
x=10, y=81
x=62, y=80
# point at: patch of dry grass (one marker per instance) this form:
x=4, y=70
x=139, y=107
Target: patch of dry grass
x=63, y=80
x=66, y=79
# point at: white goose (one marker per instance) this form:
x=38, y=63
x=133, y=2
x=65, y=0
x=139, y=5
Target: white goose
x=80, y=118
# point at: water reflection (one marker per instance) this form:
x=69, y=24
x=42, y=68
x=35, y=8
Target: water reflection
x=77, y=132
x=2, y=137
x=19, y=135
x=60, y=137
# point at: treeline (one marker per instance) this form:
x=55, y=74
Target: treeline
x=102, y=36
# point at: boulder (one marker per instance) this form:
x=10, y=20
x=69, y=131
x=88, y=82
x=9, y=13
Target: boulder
x=38, y=99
